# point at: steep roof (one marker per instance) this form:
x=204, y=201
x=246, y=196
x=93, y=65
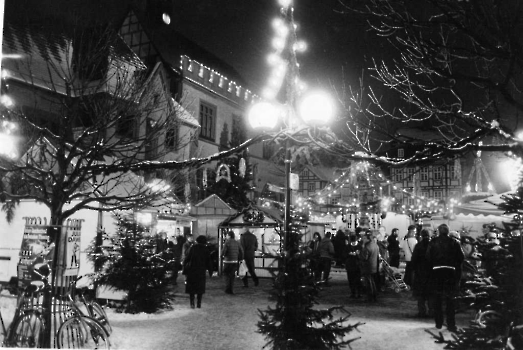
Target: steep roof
x=41, y=55
x=171, y=45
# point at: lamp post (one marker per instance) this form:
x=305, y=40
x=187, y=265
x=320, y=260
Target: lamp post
x=301, y=113
x=313, y=109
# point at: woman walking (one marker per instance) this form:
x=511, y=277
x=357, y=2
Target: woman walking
x=196, y=262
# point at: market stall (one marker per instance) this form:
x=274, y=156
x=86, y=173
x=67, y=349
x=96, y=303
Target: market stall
x=265, y=224
x=210, y=213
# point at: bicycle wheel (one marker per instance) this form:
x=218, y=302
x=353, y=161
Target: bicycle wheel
x=82, y=332
x=27, y=331
x=98, y=313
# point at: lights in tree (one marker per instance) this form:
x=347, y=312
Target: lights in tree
x=8, y=140
x=242, y=167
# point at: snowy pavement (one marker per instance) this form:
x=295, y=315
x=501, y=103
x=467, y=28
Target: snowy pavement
x=229, y=322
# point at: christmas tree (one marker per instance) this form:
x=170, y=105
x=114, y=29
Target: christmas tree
x=497, y=287
x=294, y=323
x=131, y=264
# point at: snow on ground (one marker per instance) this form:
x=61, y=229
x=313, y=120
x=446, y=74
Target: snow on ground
x=229, y=322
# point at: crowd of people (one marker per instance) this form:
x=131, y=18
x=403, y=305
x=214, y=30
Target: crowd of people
x=194, y=259
x=433, y=263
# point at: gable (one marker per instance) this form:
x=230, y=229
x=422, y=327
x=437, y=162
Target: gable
x=44, y=57
x=315, y=173
x=213, y=201
x=136, y=38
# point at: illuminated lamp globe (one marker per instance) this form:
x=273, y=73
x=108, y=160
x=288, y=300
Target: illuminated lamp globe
x=316, y=108
x=166, y=18
x=264, y=115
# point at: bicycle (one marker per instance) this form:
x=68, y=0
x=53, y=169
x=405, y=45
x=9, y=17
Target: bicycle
x=92, y=307
x=82, y=332
x=79, y=330
x=28, y=327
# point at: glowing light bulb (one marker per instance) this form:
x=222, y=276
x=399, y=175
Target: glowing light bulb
x=300, y=46
x=278, y=43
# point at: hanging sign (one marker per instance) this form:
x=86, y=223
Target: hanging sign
x=223, y=173
x=294, y=181
x=34, y=248
x=72, y=247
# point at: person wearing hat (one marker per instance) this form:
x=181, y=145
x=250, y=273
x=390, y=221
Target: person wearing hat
x=197, y=262
x=407, y=245
x=444, y=256
x=421, y=269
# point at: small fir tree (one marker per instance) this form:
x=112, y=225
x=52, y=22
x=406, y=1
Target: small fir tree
x=294, y=323
x=132, y=265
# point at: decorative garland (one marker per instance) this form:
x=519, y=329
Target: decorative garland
x=253, y=216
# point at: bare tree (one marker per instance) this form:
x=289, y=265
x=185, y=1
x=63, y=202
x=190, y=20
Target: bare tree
x=94, y=125
x=457, y=69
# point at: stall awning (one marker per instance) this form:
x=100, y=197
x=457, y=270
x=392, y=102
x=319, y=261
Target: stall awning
x=482, y=207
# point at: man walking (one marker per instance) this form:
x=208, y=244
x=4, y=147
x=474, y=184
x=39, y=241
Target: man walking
x=444, y=256
x=249, y=243
x=232, y=251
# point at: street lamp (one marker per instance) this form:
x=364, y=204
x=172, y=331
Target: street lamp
x=313, y=109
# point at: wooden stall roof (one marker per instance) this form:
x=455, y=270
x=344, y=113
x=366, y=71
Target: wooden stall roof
x=212, y=206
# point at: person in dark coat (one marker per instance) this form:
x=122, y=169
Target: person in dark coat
x=249, y=244
x=393, y=248
x=314, y=256
x=352, y=266
x=421, y=268
x=177, y=255
x=339, y=241
x=444, y=256
x=199, y=258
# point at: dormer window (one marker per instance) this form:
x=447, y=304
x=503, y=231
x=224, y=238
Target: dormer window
x=401, y=153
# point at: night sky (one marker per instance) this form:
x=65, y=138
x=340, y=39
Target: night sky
x=240, y=32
